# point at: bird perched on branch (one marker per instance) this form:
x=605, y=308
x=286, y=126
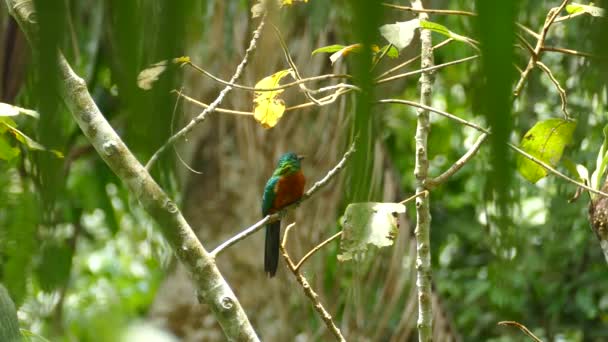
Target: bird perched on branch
x=285, y=187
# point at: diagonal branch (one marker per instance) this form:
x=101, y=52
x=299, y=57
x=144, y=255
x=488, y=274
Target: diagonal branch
x=202, y=116
x=308, y=291
x=210, y=284
x=277, y=216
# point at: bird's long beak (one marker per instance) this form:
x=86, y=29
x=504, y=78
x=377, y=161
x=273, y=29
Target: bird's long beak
x=301, y=156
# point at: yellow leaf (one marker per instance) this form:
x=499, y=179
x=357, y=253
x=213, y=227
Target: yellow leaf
x=267, y=107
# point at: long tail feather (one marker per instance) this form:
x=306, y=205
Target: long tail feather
x=271, y=248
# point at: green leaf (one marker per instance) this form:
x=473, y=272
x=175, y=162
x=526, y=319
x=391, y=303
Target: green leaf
x=392, y=51
x=400, y=34
x=29, y=336
x=328, y=49
x=368, y=223
x=30, y=143
x=7, y=152
x=9, y=324
x=10, y=110
x=589, y=9
x=545, y=141
x=429, y=25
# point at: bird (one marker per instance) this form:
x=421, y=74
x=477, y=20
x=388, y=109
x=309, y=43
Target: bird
x=285, y=186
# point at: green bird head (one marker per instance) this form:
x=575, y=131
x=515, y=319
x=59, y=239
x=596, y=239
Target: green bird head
x=288, y=163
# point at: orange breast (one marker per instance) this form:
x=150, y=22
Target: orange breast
x=288, y=190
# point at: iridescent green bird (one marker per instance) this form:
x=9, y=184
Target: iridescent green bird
x=285, y=187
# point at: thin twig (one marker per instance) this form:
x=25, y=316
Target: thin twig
x=437, y=111
x=569, y=51
x=316, y=249
x=560, y=90
x=431, y=183
x=522, y=328
x=308, y=291
x=427, y=69
x=569, y=16
x=539, y=44
x=277, y=216
x=423, y=193
x=413, y=59
x=201, y=117
x=430, y=11
x=279, y=87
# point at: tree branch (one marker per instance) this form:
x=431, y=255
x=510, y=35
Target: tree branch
x=277, y=216
x=316, y=249
x=522, y=328
x=431, y=183
x=421, y=169
x=308, y=291
x=201, y=117
x=539, y=45
x=210, y=284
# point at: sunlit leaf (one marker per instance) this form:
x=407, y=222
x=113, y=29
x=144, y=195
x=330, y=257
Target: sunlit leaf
x=328, y=49
x=267, y=107
x=368, y=223
x=545, y=141
x=10, y=110
x=9, y=324
x=589, y=9
x=446, y=32
x=400, y=34
x=24, y=139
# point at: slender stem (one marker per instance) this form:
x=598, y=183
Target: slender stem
x=569, y=51
x=308, y=291
x=276, y=216
x=435, y=110
x=431, y=183
x=560, y=90
x=316, y=249
x=202, y=116
x=421, y=169
x=427, y=69
x=430, y=11
x=424, y=193
x=522, y=328
x=413, y=59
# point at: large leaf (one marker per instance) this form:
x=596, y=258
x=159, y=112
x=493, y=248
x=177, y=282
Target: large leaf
x=267, y=106
x=545, y=141
x=7, y=151
x=368, y=223
x=9, y=324
x=400, y=34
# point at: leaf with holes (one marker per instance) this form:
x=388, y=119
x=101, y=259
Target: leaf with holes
x=545, y=141
x=400, y=34
x=368, y=224
x=268, y=108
